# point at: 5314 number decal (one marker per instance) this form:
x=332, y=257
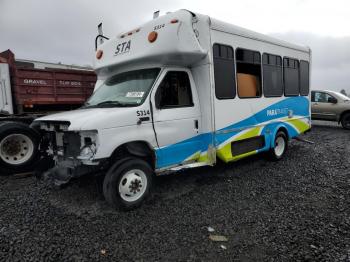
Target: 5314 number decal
x=143, y=113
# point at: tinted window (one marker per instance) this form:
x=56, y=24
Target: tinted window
x=248, y=73
x=304, y=78
x=224, y=72
x=273, y=81
x=291, y=77
x=174, y=91
x=321, y=97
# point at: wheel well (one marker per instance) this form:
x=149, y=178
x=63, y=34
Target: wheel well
x=342, y=114
x=284, y=130
x=139, y=149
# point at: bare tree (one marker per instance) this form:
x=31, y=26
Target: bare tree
x=343, y=92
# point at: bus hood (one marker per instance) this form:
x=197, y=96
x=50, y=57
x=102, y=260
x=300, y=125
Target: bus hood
x=95, y=118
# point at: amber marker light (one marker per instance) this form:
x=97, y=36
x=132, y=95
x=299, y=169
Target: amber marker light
x=152, y=36
x=99, y=54
x=174, y=21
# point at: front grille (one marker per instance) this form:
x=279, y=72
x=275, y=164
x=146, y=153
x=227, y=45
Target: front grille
x=71, y=144
x=63, y=144
x=54, y=125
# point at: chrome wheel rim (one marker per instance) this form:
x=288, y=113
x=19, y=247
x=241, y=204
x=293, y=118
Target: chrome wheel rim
x=16, y=149
x=132, y=185
x=280, y=146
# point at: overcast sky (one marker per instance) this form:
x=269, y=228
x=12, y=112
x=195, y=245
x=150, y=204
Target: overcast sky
x=64, y=30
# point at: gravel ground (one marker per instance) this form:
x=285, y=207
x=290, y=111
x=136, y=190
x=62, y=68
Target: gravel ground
x=295, y=209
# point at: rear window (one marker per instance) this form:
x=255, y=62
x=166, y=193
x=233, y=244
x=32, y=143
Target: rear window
x=304, y=78
x=291, y=76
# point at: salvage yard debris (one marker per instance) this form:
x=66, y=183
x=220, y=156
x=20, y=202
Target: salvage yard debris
x=210, y=229
x=223, y=247
x=218, y=238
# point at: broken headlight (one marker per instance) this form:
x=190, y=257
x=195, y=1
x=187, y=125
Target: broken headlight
x=89, y=144
x=88, y=152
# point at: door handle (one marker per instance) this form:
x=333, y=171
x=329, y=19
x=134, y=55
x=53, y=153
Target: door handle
x=196, y=124
x=143, y=119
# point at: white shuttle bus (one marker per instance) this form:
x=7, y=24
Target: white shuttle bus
x=181, y=91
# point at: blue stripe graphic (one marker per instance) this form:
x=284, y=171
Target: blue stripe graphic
x=177, y=153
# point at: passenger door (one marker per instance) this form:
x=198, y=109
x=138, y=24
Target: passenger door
x=176, y=116
x=5, y=89
x=323, y=106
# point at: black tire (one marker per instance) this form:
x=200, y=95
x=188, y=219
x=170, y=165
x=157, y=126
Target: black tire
x=345, y=121
x=28, y=163
x=113, y=181
x=275, y=154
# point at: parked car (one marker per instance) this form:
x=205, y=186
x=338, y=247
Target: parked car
x=330, y=106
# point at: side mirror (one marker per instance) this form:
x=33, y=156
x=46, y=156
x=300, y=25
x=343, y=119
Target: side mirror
x=332, y=100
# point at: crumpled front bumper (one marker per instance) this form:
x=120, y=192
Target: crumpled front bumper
x=64, y=171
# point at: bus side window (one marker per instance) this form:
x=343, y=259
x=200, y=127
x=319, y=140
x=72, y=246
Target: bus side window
x=248, y=73
x=304, y=78
x=224, y=72
x=273, y=79
x=291, y=76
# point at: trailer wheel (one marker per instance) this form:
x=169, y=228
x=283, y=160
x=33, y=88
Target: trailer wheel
x=128, y=183
x=18, y=147
x=345, y=121
x=280, y=146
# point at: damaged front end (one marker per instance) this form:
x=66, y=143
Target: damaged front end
x=72, y=151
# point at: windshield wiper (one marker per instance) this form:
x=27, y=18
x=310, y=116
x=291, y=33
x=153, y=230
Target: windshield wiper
x=108, y=104
x=85, y=105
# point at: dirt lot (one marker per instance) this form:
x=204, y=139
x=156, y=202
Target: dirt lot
x=295, y=209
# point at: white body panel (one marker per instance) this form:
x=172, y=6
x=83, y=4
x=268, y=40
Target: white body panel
x=5, y=89
x=175, y=45
x=175, y=125
x=244, y=108
x=115, y=126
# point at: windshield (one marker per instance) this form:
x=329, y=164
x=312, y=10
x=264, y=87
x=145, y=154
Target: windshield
x=125, y=89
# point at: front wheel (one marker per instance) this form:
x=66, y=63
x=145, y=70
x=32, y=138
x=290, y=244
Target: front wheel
x=128, y=183
x=280, y=146
x=345, y=121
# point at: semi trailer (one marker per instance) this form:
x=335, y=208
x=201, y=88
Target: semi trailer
x=28, y=90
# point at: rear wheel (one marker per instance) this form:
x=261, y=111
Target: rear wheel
x=280, y=146
x=18, y=147
x=345, y=121
x=128, y=183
